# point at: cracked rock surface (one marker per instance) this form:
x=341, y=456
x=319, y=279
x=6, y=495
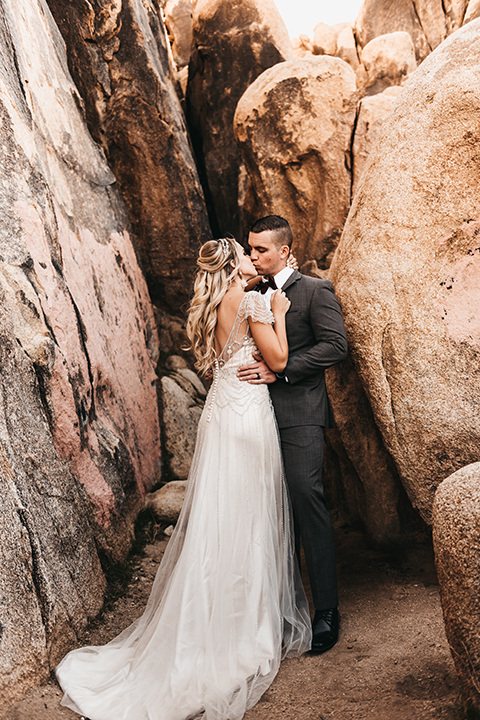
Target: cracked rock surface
x=407, y=272
x=232, y=44
x=294, y=126
x=79, y=433
x=119, y=58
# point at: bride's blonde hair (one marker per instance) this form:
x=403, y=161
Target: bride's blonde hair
x=218, y=266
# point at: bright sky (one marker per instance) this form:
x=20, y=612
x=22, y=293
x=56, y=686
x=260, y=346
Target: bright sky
x=301, y=16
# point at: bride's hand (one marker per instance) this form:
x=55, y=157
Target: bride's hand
x=279, y=302
x=292, y=262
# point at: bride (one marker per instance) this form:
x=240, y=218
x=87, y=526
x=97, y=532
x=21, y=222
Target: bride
x=227, y=603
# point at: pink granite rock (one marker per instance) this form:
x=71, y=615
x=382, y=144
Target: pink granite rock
x=407, y=271
x=78, y=414
x=118, y=56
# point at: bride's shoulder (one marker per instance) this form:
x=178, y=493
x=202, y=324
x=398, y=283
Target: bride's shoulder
x=256, y=307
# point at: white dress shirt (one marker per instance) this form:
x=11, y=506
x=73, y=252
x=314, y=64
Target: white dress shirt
x=280, y=280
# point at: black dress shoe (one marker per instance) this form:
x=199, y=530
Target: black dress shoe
x=325, y=630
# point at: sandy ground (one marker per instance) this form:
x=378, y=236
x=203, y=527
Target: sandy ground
x=391, y=662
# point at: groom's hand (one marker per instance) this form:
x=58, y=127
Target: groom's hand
x=256, y=373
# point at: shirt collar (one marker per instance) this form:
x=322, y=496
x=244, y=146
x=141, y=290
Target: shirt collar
x=282, y=276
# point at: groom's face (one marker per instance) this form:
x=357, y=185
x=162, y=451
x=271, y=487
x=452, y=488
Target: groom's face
x=267, y=256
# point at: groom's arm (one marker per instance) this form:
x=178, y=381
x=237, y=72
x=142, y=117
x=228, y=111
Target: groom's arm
x=329, y=330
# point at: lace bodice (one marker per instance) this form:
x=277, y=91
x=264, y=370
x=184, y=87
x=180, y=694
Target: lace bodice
x=239, y=349
x=254, y=306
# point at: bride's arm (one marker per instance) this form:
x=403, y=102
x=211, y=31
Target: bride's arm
x=272, y=341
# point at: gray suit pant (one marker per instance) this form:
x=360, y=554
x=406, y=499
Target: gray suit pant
x=302, y=449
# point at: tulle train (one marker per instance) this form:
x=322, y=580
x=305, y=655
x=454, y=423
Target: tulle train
x=227, y=603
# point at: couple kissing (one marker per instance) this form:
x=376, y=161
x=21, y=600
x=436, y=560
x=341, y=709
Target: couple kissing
x=227, y=604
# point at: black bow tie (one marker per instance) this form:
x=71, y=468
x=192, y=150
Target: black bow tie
x=268, y=281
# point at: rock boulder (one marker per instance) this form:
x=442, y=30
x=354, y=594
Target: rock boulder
x=233, y=43
x=370, y=486
x=117, y=54
x=473, y=11
x=324, y=39
x=388, y=60
x=346, y=47
x=302, y=46
x=167, y=502
x=178, y=19
x=181, y=413
x=294, y=126
x=456, y=538
x=407, y=271
x=380, y=17
x=428, y=22
x=79, y=431
x=372, y=111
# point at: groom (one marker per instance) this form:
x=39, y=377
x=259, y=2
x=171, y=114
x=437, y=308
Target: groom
x=316, y=340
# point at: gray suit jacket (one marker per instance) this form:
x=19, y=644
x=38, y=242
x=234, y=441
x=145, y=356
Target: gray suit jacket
x=316, y=340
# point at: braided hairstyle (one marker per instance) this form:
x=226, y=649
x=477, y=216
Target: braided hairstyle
x=218, y=266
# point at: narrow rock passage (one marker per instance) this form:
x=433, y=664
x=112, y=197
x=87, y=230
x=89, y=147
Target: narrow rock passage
x=392, y=661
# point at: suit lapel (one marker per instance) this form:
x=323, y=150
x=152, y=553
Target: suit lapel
x=291, y=279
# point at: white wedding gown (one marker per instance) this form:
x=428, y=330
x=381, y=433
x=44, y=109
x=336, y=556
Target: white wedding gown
x=227, y=603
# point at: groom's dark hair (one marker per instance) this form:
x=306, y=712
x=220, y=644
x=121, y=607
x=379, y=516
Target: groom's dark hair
x=283, y=231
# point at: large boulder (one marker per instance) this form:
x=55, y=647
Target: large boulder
x=117, y=54
x=473, y=10
x=456, y=538
x=407, y=271
x=166, y=503
x=182, y=408
x=294, y=126
x=79, y=431
x=379, y=17
x=346, y=47
x=387, y=60
x=233, y=43
x=371, y=491
x=324, y=39
x=372, y=111
x=178, y=19
x=428, y=22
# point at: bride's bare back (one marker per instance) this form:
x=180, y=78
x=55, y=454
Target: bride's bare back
x=227, y=312
x=271, y=341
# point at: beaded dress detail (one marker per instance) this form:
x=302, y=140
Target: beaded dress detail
x=227, y=603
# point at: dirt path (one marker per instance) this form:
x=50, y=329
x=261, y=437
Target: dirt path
x=391, y=663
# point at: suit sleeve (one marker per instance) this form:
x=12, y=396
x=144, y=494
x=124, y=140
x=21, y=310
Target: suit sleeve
x=329, y=330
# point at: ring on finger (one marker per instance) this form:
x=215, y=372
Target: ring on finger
x=258, y=376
